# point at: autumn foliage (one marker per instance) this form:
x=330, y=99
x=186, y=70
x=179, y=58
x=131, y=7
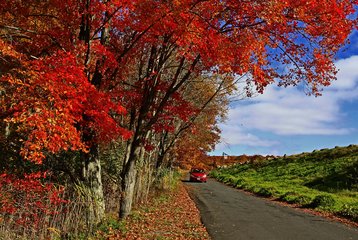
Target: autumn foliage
x=151, y=76
x=28, y=201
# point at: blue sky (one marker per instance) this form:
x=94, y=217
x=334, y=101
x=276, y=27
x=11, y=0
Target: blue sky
x=286, y=121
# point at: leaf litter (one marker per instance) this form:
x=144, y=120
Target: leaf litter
x=170, y=216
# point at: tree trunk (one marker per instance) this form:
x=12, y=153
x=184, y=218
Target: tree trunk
x=141, y=177
x=128, y=175
x=93, y=182
x=128, y=184
x=149, y=175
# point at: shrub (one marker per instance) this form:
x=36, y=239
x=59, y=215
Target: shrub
x=265, y=192
x=288, y=197
x=323, y=201
x=112, y=223
x=167, y=179
x=25, y=201
x=32, y=208
x=246, y=186
x=227, y=179
x=239, y=183
x=303, y=200
x=294, y=197
x=231, y=180
x=349, y=211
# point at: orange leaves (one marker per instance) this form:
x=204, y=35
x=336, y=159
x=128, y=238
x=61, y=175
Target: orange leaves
x=172, y=215
x=6, y=50
x=41, y=107
x=78, y=85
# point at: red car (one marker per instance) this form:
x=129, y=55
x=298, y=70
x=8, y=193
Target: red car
x=197, y=175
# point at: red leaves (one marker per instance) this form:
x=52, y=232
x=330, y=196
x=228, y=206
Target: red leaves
x=51, y=100
x=70, y=68
x=26, y=200
x=48, y=102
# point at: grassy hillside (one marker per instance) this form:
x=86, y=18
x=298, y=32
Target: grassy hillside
x=326, y=180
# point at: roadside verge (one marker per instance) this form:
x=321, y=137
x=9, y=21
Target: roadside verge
x=170, y=215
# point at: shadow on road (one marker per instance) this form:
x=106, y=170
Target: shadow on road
x=185, y=180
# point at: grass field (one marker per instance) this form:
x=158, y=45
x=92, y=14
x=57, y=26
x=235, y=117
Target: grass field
x=325, y=180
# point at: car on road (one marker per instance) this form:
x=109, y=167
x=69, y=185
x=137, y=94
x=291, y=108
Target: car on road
x=197, y=175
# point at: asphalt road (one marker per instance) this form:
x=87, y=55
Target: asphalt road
x=230, y=214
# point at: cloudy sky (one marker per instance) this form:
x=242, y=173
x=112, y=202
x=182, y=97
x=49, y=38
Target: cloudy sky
x=285, y=120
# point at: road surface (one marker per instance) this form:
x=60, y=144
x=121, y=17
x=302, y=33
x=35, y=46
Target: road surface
x=230, y=214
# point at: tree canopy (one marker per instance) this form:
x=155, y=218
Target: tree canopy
x=153, y=76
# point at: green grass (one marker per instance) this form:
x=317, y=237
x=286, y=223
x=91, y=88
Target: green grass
x=325, y=180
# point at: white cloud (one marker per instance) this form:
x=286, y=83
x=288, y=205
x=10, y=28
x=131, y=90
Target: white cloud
x=288, y=111
x=234, y=135
x=347, y=75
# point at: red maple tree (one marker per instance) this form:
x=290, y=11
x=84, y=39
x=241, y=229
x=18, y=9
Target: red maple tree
x=68, y=67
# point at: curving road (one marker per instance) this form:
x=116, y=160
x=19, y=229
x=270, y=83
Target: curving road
x=230, y=214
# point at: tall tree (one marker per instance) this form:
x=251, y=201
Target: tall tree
x=170, y=42
x=141, y=54
x=54, y=93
